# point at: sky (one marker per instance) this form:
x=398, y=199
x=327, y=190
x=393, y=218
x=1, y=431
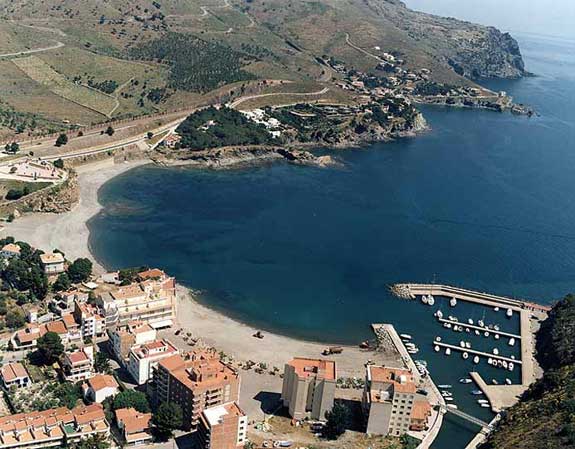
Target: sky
x=546, y=17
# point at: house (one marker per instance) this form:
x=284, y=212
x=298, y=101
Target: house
x=100, y=387
x=143, y=359
x=10, y=251
x=52, y=428
x=64, y=302
x=223, y=427
x=53, y=263
x=195, y=381
x=27, y=338
x=14, y=375
x=420, y=414
x=172, y=140
x=132, y=334
x=309, y=387
x=135, y=426
x=78, y=365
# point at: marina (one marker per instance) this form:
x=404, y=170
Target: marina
x=480, y=328
x=479, y=353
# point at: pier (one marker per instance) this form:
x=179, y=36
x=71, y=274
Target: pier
x=473, y=351
x=467, y=417
x=479, y=328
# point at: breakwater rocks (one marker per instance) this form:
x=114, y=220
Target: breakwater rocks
x=233, y=157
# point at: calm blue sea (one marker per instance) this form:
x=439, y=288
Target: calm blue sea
x=483, y=200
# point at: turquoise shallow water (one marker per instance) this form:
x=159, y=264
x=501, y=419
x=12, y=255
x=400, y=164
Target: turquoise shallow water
x=483, y=200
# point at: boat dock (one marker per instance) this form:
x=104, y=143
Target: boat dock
x=473, y=351
x=479, y=328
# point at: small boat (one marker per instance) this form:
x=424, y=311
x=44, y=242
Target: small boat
x=477, y=332
x=476, y=392
x=447, y=325
x=430, y=300
x=509, y=313
x=462, y=344
x=447, y=351
x=476, y=359
x=496, y=327
x=452, y=406
x=504, y=364
x=467, y=330
x=510, y=366
x=446, y=393
x=494, y=382
x=453, y=302
x=490, y=361
x=468, y=345
x=485, y=405
x=405, y=336
x=496, y=309
x=469, y=321
x=424, y=299
x=486, y=334
x=513, y=357
x=437, y=338
x=495, y=351
x=490, y=326
x=481, y=323
x=436, y=348
x=508, y=381
x=496, y=336
x=413, y=351
x=465, y=380
x=444, y=386
x=512, y=341
x=465, y=356
x=448, y=399
x=482, y=401
x=421, y=362
x=459, y=328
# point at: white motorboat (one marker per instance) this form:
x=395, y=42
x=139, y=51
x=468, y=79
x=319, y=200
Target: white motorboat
x=452, y=406
x=495, y=351
x=486, y=334
x=465, y=380
x=512, y=341
x=405, y=336
x=509, y=313
x=508, y=381
x=490, y=361
x=485, y=405
x=445, y=386
x=448, y=399
x=462, y=344
x=430, y=300
x=496, y=336
x=438, y=338
x=453, y=302
x=496, y=327
x=496, y=309
x=424, y=299
x=465, y=356
x=476, y=359
x=481, y=323
x=468, y=345
x=447, y=325
x=469, y=321
x=436, y=348
x=510, y=366
x=447, y=351
x=477, y=332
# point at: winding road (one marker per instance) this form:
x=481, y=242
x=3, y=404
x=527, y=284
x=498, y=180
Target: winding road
x=296, y=94
x=34, y=50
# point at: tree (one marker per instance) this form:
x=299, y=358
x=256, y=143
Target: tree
x=337, y=421
x=15, y=319
x=110, y=131
x=80, y=270
x=132, y=398
x=150, y=135
x=68, y=394
x=167, y=418
x=50, y=347
x=102, y=363
x=61, y=140
x=96, y=441
x=63, y=283
x=59, y=163
x=14, y=147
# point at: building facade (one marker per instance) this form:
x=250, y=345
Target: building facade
x=143, y=359
x=99, y=388
x=123, y=338
x=195, y=381
x=309, y=387
x=223, y=427
x=14, y=375
x=53, y=263
x=78, y=365
x=135, y=426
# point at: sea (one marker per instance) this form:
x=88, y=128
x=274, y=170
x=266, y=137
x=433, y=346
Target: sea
x=483, y=200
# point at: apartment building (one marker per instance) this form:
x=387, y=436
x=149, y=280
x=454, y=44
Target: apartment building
x=308, y=388
x=152, y=299
x=53, y=263
x=135, y=426
x=92, y=323
x=100, y=387
x=223, y=427
x=52, y=428
x=143, y=359
x=195, y=381
x=78, y=365
x=388, y=400
x=123, y=338
x=14, y=375
x=65, y=302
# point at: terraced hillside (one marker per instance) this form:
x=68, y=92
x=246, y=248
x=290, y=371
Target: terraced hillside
x=162, y=54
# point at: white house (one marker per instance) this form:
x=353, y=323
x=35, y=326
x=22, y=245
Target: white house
x=100, y=387
x=53, y=263
x=143, y=359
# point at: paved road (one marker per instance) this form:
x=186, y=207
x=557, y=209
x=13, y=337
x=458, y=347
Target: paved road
x=292, y=94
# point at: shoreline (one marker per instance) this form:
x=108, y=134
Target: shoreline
x=48, y=231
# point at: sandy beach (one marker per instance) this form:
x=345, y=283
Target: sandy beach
x=69, y=233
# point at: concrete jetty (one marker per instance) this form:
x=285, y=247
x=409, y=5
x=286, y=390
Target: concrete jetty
x=479, y=328
x=499, y=396
x=473, y=351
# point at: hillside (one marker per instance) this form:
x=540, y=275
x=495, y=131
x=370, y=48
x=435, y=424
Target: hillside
x=87, y=61
x=545, y=418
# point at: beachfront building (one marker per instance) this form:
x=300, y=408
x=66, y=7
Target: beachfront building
x=52, y=428
x=143, y=359
x=53, y=263
x=388, y=400
x=223, y=427
x=309, y=387
x=135, y=426
x=78, y=365
x=100, y=387
x=123, y=338
x=152, y=299
x=14, y=375
x=10, y=250
x=196, y=381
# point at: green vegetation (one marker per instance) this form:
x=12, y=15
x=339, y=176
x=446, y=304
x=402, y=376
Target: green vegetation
x=196, y=65
x=62, y=283
x=102, y=363
x=61, y=140
x=59, y=163
x=431, y=88
x=131, y=398
x=545, y=417
x=338, y=419
x=80, y=270
x=107, y=86
x=26, y=274
x=97, y=441
x=24, y=188
x=166, y=419
x=212, y=128
x=50, y=348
